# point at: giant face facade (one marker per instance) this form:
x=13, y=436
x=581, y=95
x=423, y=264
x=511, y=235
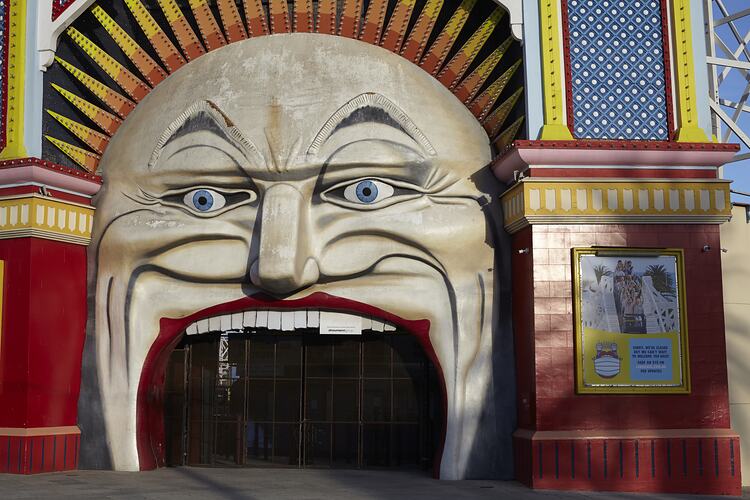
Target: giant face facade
x=298, y=172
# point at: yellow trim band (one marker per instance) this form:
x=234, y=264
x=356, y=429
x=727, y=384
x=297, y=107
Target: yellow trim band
x=534, y=201
x=48, y=218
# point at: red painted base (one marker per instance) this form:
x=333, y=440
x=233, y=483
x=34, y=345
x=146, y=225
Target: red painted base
x=698, y=461
x=33, y=451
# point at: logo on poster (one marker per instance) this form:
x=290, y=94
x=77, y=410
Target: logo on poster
x=606, y=361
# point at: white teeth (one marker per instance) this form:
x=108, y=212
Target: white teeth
x=313, y=318
x=287, y=321
x=326, y=322
x=214, y=324
x=248, y=319
x=262, y=319
x=300, y=319
x=203, y=325
x=226, y=322
x=366, y=323
x=237, y=321
x=274, y=320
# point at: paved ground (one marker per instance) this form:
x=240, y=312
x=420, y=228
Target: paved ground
x=186, y=483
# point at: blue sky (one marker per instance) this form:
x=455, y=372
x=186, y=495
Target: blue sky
x=732, y=89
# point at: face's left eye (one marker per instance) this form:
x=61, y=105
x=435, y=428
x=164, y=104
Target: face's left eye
x=368, y=191
x=204, y=200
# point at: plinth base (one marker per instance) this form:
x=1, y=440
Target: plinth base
x=699, y=461
x=40, y=449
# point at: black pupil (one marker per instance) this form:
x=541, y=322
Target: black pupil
x=202, y=200
x=367, y=191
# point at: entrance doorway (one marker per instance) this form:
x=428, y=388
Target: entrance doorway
x=301, y=400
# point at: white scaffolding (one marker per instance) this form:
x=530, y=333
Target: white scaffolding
x=728, y=57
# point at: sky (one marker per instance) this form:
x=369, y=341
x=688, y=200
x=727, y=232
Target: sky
x=732, y=88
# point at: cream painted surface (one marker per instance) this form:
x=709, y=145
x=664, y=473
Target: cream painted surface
x=735, y=237
x=256, y=124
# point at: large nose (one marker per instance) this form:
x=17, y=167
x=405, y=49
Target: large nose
x=285, y=261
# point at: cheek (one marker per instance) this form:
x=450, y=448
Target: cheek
x=206, y=260
x=454, y=230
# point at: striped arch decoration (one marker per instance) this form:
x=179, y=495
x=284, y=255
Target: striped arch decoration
x=113, y=55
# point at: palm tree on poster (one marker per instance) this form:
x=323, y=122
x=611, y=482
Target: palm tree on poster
x=601, y=271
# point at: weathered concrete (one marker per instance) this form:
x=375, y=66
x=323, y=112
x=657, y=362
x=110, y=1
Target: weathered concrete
x=185, y=483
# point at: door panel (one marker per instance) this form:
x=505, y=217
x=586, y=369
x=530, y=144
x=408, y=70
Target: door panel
x=301, y=400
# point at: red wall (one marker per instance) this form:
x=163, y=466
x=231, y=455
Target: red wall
x=549, y=402
x=44, y=320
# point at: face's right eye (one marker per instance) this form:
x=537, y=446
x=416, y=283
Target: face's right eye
x=204, y=200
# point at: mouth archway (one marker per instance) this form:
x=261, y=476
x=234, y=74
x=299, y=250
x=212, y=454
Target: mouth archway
x=399, y=335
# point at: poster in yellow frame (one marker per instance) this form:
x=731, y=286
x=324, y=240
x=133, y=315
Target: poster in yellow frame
x=630, y=321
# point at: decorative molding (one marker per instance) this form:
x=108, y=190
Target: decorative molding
x=38, y=216
x=39, y=431
x=552, y=68
x=35, y=171
x=586, y=201
x=49, y=29
x=14, y=68
x=515, y=13
x=688, y=126
x=523, y=155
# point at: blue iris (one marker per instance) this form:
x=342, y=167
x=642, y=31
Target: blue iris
x=367, y=191
x=203, y=200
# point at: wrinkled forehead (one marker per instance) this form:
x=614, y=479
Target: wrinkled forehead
x=280, y=92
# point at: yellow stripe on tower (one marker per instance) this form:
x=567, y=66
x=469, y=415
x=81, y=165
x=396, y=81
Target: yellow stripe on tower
x=494, y=122
x=185, y=35
x=106, y=121
x=209, y=28
x=416, y=42
x=445, y=40
x=130, y=83
x=459, y=63
x=151, y=71
x=95, y=140
x=86, y=159
x=165, y=49
x=114, y=100
x=483, y=104
x=472, y=83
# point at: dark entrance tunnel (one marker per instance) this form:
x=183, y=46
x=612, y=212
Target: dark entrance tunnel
x=302, y=400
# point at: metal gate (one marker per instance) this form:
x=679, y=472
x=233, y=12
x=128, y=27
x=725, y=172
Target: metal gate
x=301, y=400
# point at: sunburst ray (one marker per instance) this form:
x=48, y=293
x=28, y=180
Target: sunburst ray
x=186, y=37
x=130, y=83
x=212, y=36
x=86, y=159
x=113, y=99
x=165, y=49
x=104, y=120
x=93, y=139
x=150, y=70
x=231, y=20
x=438, y=51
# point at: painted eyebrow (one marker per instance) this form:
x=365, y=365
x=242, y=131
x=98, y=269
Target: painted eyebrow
x=203, y=116
x=381, y=110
